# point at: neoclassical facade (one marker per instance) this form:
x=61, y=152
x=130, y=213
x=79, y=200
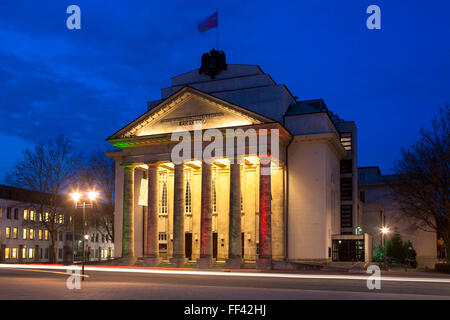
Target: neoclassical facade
x=264, y=187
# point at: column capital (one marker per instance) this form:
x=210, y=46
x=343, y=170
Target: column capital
x=129, y=164
x=152, y=164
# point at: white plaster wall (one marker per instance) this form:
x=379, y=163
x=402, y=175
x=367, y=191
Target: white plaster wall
x=309, y=123
x=308, y=221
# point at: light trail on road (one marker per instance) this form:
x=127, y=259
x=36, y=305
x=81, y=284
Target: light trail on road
x=145, y=270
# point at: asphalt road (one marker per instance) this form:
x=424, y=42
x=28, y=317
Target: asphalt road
x=51, y=284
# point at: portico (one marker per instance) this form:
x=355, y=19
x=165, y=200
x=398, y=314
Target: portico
x=219, y=208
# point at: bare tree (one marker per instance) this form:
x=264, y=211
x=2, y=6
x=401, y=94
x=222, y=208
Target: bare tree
x=422, y=190
x=48, y=169
x=99, y=175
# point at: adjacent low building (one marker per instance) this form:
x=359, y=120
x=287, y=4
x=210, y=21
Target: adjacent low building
x=381, y=210
x=23, y=239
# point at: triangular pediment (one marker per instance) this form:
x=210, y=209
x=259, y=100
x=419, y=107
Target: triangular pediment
x=185, y=110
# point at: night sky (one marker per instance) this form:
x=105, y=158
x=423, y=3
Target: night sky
x=89, y=83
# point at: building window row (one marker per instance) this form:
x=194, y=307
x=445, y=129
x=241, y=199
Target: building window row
x=346, y=140
x=27, y=233
x=95, y=237
x=346, y=188
x=25, y=253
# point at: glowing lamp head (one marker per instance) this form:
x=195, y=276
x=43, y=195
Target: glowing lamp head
x=76, y=196
x=86, y=237
x=92, y=195
x=384, y=230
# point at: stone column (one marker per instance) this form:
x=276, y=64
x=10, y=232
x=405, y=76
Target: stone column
x=265, y=227
x=178, y=258
x=151, y=255
x=128, y=255
x=205, y=260
x=234, y=246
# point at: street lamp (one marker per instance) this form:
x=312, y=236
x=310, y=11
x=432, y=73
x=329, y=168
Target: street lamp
x=76, y=196
x=384, y=232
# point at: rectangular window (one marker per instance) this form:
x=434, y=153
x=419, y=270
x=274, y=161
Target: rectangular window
x=16, y=213
x=8, y=233
x=162, y=236
x=24, y=253
x=14, y=253
x=8, y=213
x=242, y=203
x=15, y=233
x=40, y=216
x=30, y=253
x=59, y=253
x=25, y=214
x=46, y=235
x=347, y=216
x=61, y=236
x=31, y=234
x=46, y=253
x=346, y=189
x=347, y=166
x=47, y=217
x=362, y=196
x=188, y=194
x=7, y=253
x=40, y=234
x=32, y=215
x=163, y=193
x=346, y=140
x=25, y=233
x=61, y=218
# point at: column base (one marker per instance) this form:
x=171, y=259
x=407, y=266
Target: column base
x=178, y=262
x=205, y=263
x=127, y=261
x=264, y=263
x=151, y=261
x=234, y=263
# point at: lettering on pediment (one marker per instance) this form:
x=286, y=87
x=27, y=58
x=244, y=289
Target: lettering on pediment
x=185, y=113
x=194, y=119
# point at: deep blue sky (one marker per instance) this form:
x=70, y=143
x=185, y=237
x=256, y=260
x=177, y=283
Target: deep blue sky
x=88, y=83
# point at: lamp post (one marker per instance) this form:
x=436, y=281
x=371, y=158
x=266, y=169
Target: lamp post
x=76, y=196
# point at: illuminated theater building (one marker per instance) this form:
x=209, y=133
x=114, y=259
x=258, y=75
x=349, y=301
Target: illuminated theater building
x=228, y=211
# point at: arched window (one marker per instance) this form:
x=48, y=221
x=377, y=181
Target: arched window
x=187, y=198
x=163, y=192
x=214, y=194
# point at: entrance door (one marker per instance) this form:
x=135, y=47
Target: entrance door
x=188, y=245
x=214, y=248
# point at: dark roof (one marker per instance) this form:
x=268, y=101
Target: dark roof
x=306, y=107
x=22, y=195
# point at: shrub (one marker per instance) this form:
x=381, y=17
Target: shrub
x=379, y=255
x=395, y=248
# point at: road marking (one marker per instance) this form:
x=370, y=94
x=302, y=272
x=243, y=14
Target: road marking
x=226, y=274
